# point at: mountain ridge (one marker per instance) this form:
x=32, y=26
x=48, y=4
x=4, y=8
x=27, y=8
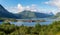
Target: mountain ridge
x=22, y=15
x=29, y=14
x=4, y=13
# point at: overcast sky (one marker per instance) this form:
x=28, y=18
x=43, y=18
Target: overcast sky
x=43, y=6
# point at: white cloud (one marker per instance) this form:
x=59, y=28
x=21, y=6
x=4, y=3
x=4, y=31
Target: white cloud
x=20, y=8
x=55, y=3
x=46, y=3
x=33, y=7
x=27, y=8
x=16, y=9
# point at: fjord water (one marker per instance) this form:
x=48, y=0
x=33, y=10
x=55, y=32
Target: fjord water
x=48, y=21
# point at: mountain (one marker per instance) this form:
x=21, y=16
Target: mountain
x=58, y=14
x=51, y=13
x=22, y=15
x=29, y=14
x=5, y=14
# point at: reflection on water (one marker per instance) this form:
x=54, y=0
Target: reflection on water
x=30, y=23
x=48, y=21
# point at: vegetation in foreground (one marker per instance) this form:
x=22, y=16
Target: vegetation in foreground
x=11, y=29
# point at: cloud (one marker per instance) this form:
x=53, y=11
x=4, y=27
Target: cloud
x=27, y=8
x=55, y=3
x=16, y=9
x=20, y=8
x=32, y=7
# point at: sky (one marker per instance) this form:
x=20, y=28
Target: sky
x=43, y=6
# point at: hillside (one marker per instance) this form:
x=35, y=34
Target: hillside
x=29, y=14
x=6, y=14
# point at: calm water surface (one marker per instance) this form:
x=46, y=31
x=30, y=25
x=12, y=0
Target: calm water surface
x=48, y=21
